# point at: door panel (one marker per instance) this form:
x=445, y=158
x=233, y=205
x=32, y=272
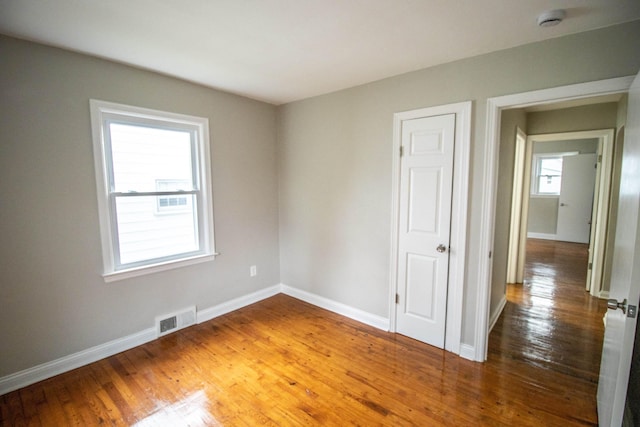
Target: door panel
x=426, y=177
x=625, y=278
x=420, y=292
x=424, y=185
x=576, y=198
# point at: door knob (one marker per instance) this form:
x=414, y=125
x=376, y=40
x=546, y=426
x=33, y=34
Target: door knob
x=615, y=304
x=441, y=248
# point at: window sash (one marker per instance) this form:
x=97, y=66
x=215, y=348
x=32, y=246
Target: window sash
x=197, y=224
x=161, y=124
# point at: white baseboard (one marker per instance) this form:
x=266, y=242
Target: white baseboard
x=49, y=369
x=46, y=370
x=543, y=236
x=237, y=303
x=468, y=352
x=497, y=312
x=338, y=307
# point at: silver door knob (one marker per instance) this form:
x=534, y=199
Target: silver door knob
x=441, y=248
x=614, y=305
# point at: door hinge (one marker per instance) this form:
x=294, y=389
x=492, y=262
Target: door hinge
x=401, y=151
x=599, y=158
x=590, y=266
x=397, y=299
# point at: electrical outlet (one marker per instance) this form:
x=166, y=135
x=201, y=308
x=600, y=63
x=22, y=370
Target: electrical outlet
x=253, y=271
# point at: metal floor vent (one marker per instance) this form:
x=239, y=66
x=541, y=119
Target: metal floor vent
x=175, y=321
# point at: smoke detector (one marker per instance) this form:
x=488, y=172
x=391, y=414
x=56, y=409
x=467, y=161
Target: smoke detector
x=551, y=17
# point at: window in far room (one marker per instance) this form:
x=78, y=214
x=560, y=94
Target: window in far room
x=547, y=174
x=154, y=191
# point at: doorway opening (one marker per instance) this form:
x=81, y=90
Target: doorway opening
x=616, y=354
x=546, y=313
x=562, y=191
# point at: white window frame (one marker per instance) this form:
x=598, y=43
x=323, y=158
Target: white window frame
x=535, y=172
x=104, y=112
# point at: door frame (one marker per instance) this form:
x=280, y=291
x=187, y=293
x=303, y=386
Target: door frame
x=459, y=202
x=519, y=211
x=599, y=216
x=490, y=180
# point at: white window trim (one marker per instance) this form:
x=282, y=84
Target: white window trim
x=98, y=110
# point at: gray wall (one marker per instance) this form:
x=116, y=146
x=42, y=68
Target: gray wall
x=335, y=156
x=543, y=210
x=53, y=300
x=587, y=117
x=509, y=122
x=543, y=215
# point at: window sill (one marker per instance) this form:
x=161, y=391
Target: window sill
x=545, y=196
x=155, y=268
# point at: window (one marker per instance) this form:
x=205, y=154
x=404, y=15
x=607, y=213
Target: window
x=547, y=174
x=154, y=196
x=169, y=204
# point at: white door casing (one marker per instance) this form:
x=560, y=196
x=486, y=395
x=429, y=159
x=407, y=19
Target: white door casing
x=600, y=214
x=594, y=240
x=625, y=278
x=575, y=204
x=426, y=180
x=459, y=202
x=515, y=262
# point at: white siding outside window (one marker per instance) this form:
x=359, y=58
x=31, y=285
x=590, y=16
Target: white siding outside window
x=153, y=179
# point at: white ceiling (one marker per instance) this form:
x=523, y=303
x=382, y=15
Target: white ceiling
x=284, y=50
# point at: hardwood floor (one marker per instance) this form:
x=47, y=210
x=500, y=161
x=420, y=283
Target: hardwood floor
x=282, y=362
x=553, y=328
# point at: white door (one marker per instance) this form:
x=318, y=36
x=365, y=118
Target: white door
x=625, y=279
x=426, y=177
x=517, y=229
x=576, y=198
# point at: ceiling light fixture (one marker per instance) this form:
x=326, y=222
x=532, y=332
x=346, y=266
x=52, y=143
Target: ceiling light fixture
x=551, y=17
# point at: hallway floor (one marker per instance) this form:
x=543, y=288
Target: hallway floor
x=551, y=322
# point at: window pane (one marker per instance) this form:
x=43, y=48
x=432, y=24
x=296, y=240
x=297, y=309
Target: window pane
x=142, y=156
x=549, y=185
x=172, y=203
x=550, y=175
x=145, y=234
x=551, y=166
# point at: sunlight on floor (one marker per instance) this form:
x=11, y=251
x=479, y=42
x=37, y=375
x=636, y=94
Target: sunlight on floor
x=191, y=411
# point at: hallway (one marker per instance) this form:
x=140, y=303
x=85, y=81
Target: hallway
x=551, y=322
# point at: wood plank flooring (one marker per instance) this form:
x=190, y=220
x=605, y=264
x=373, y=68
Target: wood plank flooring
x=282, y=362
x=552, y=330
